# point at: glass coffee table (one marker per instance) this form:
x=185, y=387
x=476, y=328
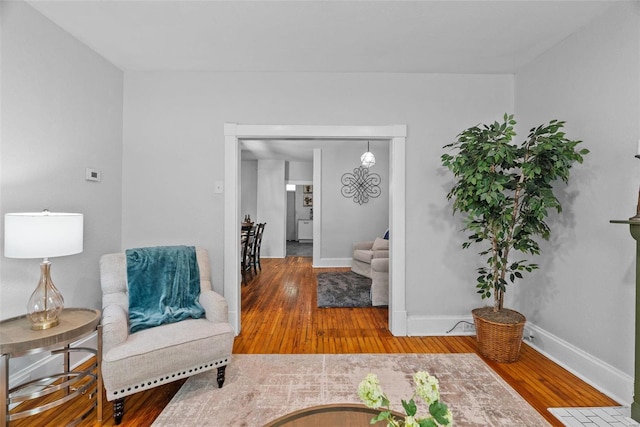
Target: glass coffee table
x=340, y=414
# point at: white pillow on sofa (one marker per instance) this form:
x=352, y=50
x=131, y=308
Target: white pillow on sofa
x=380, y=243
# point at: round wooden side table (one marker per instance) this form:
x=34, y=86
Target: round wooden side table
x=18, y=339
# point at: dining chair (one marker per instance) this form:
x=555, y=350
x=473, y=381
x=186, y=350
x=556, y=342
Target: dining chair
x=255, y=248
x=247, y=238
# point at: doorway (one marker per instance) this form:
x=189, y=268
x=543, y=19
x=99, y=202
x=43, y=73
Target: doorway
x=291, y=214
x=234, y=133
x=299, y=215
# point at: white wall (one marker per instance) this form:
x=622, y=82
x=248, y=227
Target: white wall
x=344, y=221
x=584, y=291
x=174, y=146
x=249, y=189
x=272, y=205
x=300, y=171
x=61, y=112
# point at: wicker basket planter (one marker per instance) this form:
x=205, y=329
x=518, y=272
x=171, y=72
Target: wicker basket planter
x=499, y=339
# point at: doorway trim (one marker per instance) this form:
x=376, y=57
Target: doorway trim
x=397, y=134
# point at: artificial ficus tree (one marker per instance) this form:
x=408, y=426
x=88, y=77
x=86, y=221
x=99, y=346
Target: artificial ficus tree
x=505, y=192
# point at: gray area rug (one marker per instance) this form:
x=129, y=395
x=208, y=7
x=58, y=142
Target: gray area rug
x=343, y=289
x=263, y=387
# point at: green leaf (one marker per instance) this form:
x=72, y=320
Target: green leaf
x=427, y=422
x=384, y=415
x=439, y=411
x=410, y=407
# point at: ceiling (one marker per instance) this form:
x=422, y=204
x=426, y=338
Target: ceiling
x=293, y=150
x=396, y=36
x=421, y=36
x=281, y=149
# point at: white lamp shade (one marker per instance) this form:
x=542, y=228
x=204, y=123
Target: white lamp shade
x=42, y=234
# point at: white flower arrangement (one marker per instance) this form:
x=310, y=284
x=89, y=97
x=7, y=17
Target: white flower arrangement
x=427, y=388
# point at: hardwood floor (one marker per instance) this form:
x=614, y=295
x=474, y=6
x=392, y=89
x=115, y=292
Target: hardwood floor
x=279, y=315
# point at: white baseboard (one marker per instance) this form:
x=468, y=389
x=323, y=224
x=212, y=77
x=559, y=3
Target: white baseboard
x=398, y=327
x=50, y=364
x=425, y=326
x=606, y=378
x=333, y=262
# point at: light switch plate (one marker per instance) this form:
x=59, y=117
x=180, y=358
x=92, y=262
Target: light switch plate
x=218, y=187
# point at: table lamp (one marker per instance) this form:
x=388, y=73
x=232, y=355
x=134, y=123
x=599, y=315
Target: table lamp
x=43, y=235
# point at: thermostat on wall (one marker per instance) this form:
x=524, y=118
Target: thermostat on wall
x=93, y=175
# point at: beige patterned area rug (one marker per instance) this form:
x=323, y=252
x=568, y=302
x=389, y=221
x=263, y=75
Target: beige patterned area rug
x=262, y=387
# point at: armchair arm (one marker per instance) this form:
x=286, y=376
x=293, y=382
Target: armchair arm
x=381, y=253
x=115, y=326
x=379, y=265
x=215, y=306
x=363, y=245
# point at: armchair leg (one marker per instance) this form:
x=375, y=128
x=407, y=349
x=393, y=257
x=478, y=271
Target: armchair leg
x=118, y=410
x=221, y=370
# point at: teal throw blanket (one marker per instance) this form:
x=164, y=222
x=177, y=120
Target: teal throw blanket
x=164, y=286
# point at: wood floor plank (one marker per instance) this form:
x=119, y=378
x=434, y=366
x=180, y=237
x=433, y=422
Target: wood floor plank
x=280, y=315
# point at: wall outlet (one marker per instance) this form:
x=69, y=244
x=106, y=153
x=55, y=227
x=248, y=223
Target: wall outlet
x=528, y=334
x=468, y=327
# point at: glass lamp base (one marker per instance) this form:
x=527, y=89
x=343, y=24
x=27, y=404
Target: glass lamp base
x=46, y=302
x=42, y=325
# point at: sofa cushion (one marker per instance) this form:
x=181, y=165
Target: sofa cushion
x=155, y=352
x=363, y=255
x=382, y=253
x=380, y=243
x=380, y=265
x=380, y=281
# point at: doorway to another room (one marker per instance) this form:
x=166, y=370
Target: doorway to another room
x=298, y=248
x=395, y=134
x=299, y=220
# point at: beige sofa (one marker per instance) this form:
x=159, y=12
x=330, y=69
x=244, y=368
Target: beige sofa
x=371, y=259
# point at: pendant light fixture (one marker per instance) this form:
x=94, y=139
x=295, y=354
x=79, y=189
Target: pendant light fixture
x=368, y=159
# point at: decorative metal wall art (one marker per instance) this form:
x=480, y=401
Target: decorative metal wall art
x=361, y=185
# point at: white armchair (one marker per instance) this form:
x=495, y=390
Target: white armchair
x=165, y=353
x=371, y=259
x=364, y=252
x=380, y=281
